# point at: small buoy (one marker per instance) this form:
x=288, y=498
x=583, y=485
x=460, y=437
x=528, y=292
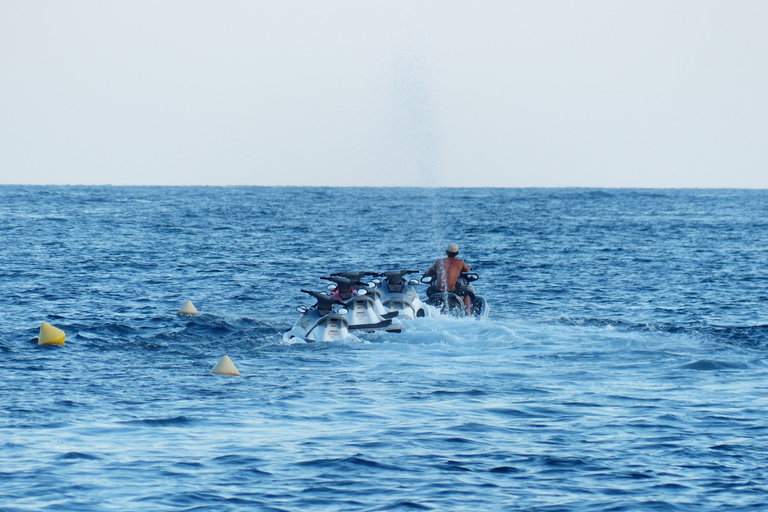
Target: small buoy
x=188, y=309
x=50, y=335
x=225, y=366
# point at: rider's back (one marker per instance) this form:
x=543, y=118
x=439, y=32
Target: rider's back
x=447, y=272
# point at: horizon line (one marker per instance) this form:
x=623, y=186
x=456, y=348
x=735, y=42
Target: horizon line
x=379, y=186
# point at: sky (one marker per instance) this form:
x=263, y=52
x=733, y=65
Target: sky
x=660, y=94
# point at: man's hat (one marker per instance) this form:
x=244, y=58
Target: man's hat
x=452, y=248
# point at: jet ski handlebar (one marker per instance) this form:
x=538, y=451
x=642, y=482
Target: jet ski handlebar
x=394, y=272
x=354, y=275
x=322, y=297
x=338, y=279
x=469, y=276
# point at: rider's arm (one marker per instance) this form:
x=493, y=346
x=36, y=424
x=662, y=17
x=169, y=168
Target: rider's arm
x=431, y=271
x=466, y=268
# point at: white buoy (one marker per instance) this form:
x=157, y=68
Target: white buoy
x=225, y=366
x=188, y=309
x=50, y=335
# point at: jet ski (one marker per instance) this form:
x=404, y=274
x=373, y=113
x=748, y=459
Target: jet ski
x=398, y=294
x=370, y=290
x=449, y=303
x=364, y=310
x=325, y=321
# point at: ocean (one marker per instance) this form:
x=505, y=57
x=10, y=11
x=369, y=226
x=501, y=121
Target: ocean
x=622, y=367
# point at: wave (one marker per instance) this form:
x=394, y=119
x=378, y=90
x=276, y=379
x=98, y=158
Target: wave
x=755, y=336
x=161, y=422
x=709, y=365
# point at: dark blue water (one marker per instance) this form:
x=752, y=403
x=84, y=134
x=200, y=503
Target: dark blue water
x=623, y=366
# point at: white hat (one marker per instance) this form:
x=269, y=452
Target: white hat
x=452, y=248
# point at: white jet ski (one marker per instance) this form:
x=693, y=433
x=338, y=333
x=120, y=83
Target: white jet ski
x=324, y=321
x=449, y=303
x=365, y=310
x=398, y=294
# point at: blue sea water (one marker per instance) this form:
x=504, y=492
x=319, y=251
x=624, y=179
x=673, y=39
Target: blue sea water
x=623, y=366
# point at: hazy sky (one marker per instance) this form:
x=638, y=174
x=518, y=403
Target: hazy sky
x=418, y=93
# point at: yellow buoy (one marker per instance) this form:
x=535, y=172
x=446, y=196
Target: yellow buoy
x=188, y=309
x=50, y=335
x=225, y=366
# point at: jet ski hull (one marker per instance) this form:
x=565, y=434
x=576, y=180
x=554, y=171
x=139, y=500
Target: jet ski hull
x=312, y=327
x=451, y=304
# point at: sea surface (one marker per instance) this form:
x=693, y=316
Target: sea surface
x=623, y=365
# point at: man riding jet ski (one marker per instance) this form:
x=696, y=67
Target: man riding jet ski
x=449, y=287
x=322, y=322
